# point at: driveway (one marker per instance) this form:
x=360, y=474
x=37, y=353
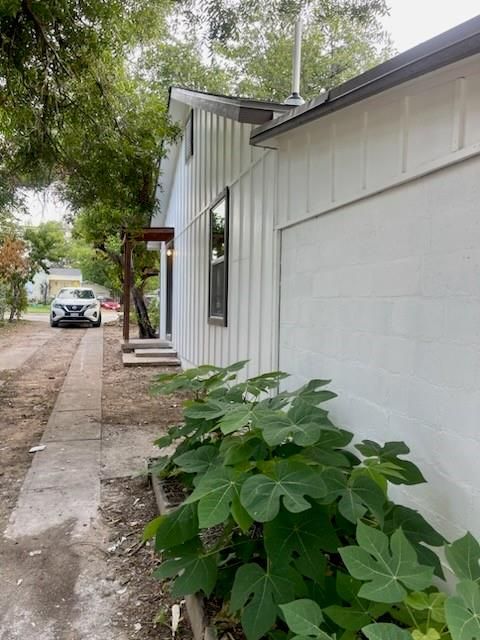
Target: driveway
x=107, y=315
x=72, y=562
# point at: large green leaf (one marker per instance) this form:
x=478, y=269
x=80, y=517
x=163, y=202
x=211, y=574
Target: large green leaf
x=413, y=525
x=208, y=410
x=385, y=631
x=239, y=449
x=282, y=479
x=418, y=532
x=176, y=527
x=214, y=493
x=194, y=573
x=358, y=495
x=303, y=424
x=388, y=569
x=236, y=418
x=432, y=603
x=360, y=612
x=197, y=461
x=256, y=386
x=306, y=534
x=404, y=472
x=463, y=611
x=258, y=593
x=313, y=392
x=189, y=380
x=304, y=617
x=463, y=556
x=325, y=451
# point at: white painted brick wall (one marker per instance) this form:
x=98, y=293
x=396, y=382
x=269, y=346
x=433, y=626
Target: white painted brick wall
x=383, y=296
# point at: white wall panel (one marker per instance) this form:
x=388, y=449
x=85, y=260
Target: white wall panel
x=380, y=142
x=380, y=285
x=223, y=157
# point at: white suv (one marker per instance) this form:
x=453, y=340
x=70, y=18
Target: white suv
x=75, y=305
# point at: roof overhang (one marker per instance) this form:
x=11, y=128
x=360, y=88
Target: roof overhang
x=239, y=109
x=180, y=102
x=451, y=46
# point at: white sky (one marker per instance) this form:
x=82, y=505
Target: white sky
x=413, y=21
x=42, y=206
x=409, y=23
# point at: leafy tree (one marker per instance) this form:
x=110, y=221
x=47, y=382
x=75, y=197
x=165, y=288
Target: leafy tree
x=15, y=268
x=84, y=91
x=254, y=40
x=47, y=245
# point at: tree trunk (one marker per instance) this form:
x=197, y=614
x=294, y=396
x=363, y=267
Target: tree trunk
x=144, y=325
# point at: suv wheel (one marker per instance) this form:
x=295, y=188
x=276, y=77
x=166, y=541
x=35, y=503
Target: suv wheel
x=98, y=322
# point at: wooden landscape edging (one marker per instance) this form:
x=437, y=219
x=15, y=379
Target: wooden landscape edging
x=193, y=603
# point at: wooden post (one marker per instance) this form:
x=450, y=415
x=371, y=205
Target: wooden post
x=127, y=280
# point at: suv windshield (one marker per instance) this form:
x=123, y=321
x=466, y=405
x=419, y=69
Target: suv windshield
x=76, y=293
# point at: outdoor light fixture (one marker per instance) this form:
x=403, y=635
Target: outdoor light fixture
x=169, y=252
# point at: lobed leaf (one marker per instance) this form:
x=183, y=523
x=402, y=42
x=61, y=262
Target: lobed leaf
x=389, y=568
x=306, y=534
x=197, y=461
x=214, y=493
x=463, y=611
x=208, y=410
x=463, y=556
x=194, y=573
x=176, y=527
x=283, y=480
x=358, y=495
x=258, y=593
x=304, y=617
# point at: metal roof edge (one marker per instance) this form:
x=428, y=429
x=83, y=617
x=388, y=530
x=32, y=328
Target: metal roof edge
x=450, y=46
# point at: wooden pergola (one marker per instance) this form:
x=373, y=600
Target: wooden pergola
x=150, y=234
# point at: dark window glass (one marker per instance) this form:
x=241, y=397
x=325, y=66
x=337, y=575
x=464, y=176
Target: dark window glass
x=219, y=260
x=189, y=137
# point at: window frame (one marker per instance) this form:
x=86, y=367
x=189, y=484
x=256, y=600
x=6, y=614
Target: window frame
x=221, y=321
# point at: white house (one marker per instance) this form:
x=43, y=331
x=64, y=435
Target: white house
x=45, y=286
x=341, y=240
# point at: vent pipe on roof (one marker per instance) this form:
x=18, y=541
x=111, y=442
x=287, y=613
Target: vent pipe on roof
x=295, y=99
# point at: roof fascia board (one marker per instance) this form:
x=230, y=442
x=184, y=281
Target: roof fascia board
x=239, y=109
x=449, y=47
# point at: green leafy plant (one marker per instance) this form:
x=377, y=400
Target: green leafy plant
x=291, y=524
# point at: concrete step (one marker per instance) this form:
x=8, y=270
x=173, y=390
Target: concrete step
x=155, y=353
x=131, y=360
x=148, y=343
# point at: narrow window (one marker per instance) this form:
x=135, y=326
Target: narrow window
x=218, y=290
x=189, y=137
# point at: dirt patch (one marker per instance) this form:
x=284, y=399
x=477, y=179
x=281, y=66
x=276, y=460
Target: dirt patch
x=126, y=396
x=127, y=506
x=130, y=414
x=27, y=397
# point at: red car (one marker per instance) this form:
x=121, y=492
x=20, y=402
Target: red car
x=108, y=303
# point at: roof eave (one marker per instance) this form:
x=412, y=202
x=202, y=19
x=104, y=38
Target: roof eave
x=456, y=44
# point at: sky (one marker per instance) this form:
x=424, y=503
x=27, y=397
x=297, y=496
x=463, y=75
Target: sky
x=412, y=21
x=409, y=23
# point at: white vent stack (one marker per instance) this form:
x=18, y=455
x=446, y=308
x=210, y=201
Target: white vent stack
x=295, y=99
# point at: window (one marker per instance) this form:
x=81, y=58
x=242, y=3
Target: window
x=218, y=255
x=189, y=137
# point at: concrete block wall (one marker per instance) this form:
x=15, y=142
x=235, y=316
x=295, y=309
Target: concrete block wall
x=383, y=296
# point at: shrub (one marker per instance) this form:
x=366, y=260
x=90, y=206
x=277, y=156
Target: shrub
x=308, y=543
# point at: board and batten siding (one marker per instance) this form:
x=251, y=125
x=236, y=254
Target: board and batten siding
x=222, y=158
x=379, y=207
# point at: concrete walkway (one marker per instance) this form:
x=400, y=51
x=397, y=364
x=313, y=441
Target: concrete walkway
x=54, y=578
